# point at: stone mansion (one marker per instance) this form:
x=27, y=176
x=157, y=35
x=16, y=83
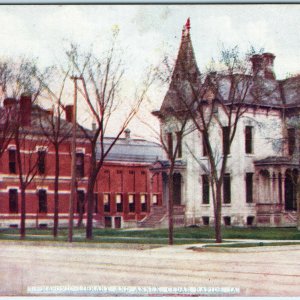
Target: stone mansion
x=259, y=186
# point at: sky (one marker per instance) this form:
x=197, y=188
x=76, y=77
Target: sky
x=147, y=33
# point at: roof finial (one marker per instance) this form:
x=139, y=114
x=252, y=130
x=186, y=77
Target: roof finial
x=186, y=28
x=188, y=24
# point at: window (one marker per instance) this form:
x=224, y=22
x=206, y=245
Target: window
x=96, y=210
x=155, y=199
x=80, y=202
x=249, y=187
x=144, y=202
x=225, y=134
x=107, y=222
x=12, y=161
x=42, y=201
x=119, y=202
x=205, y=189
x=80, y=164
x=205, y=221
x=13, y=201
x=204, y=147
x=227, y=221
x=41, y=161
x=250, y=220
x=179, y=144
x=106, y=202
x=226, y=189
x=131, y=202
x=249, y=139
x=291, y=140
x=170, y=144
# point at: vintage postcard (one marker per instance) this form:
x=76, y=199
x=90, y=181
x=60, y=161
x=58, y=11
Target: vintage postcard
x=149, y=150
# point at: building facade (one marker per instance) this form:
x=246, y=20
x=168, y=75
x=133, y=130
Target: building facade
x=259, y=186
x=125, y=190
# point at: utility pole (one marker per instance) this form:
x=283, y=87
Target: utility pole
x=73, y=163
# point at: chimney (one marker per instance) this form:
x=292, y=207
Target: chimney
x=69, y=113
x=127, y=133
x=9, y=102
x=268, y=59
x=49, y=112
x=257, y=65
x=262, y=65
x=25, y=109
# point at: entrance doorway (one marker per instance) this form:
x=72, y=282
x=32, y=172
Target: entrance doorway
x=117, y=222
x=107, y=221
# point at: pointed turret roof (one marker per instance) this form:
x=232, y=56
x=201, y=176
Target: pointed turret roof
x=185, y=63
x=185, y=72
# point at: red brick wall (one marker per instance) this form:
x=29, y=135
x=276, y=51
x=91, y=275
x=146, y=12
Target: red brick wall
x=114, y=178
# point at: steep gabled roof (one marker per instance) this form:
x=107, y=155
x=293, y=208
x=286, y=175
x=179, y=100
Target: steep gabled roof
x=290, y=88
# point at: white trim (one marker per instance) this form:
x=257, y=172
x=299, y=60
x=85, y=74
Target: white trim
x=80, y=150
x=42, y=187
x=11, y=188
x=11, y=147
x=27, y=191
x=41, y=148
x=16, y=176
x=32, y=215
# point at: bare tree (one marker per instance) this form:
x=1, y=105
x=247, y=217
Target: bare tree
x=17, y=80
x=56, y=131
x=16, y=77
x=220, y=102
x=101, y=82
x=26, y=155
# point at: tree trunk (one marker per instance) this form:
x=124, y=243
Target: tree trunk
x=23, y=213
x=56, y=196
x=80, y=213
x=298, y=204
x=170, y=210
x=217, y=211
x=90, y=208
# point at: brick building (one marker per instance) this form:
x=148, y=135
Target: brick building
x=125, y=189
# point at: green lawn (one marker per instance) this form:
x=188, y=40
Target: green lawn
x=157, y=236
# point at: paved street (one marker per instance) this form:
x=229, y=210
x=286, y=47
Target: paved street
x=260, y=272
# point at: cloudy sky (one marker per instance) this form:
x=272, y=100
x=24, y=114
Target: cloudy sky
x=147, y=32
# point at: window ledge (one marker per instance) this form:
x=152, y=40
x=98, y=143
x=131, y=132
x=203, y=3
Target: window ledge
x=228, y=156
x=226, y=204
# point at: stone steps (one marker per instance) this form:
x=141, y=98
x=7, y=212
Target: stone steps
x=158, y=213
